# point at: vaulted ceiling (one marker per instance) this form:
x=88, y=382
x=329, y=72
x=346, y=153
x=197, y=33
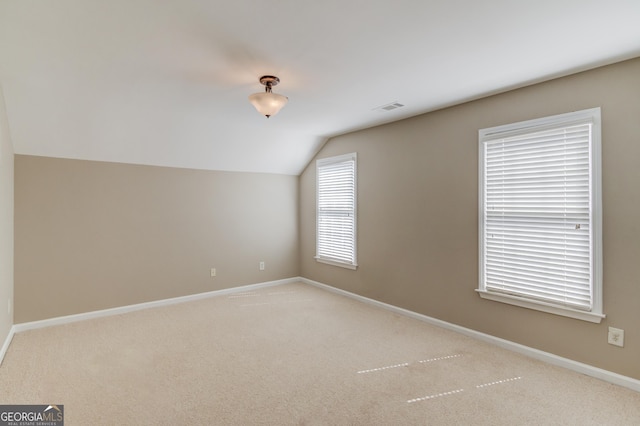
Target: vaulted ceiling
x=166, y=82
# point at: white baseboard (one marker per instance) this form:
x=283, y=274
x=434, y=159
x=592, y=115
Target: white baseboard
x=589, y=370
x=17, y=328
x=7, y=342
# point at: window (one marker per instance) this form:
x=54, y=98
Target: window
x=336, y=210
x=540, y=215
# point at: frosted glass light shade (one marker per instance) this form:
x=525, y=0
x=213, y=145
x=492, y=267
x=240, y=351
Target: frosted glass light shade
x=268, y=103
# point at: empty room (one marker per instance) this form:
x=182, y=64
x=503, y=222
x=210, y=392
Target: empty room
x=319, y=213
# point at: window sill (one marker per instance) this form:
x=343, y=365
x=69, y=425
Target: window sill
x=541, y=306
x=340, y=264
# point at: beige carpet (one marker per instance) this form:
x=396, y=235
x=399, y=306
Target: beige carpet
x=293, y=355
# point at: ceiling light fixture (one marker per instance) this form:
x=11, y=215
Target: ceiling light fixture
x=268, y=103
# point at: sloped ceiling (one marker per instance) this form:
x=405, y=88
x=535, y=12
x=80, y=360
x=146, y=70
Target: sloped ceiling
x=166, y=82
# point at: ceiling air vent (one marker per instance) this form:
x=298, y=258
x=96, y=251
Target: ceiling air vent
x=389, y=107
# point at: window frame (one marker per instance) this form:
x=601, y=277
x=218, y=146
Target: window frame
x=354, y=212
x=592, y=115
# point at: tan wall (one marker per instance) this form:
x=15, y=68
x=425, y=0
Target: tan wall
x=6, y=224
x=92, y=235
x=418, y=220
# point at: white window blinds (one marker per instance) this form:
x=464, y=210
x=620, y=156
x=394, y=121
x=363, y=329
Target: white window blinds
x=336, y=210
x=537, y=197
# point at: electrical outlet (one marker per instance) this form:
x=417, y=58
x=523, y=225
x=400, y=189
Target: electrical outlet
x=213, y=272
x=262, y=266
x=616, y=337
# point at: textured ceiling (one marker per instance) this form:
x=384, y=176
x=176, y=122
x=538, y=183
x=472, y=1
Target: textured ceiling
x=166, y=82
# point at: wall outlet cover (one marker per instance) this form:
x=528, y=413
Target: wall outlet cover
x=616, y=336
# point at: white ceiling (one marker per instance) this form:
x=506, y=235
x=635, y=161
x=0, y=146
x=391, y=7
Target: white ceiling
x=165, y=82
